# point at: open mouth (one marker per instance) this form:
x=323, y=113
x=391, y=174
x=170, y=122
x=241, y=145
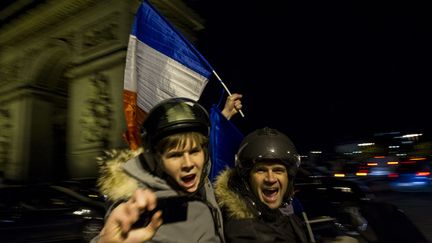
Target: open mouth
x=188, y=180
x=270, y=194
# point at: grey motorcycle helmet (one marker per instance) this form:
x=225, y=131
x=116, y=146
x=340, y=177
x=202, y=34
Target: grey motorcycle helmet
x=267, y=145
x=171, y=116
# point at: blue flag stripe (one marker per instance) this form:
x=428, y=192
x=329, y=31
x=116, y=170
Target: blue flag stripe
x=154, y=30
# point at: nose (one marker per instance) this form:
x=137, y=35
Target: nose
x=187, y=163
x=270, y=178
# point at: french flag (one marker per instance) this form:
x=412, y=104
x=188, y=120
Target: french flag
x=160, y=64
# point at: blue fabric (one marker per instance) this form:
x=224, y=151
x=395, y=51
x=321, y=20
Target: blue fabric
x=225, y=138
x=297, y=206
x=154, y=30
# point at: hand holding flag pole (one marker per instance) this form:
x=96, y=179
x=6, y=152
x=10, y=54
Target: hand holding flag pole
x=226, y=89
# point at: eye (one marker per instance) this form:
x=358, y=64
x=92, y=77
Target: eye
x=280, y=170
x=173, y=154
x=260, y=170
x=195, y=150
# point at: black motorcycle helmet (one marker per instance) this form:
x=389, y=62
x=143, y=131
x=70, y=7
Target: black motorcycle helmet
x=171, y=116
x=267, y=144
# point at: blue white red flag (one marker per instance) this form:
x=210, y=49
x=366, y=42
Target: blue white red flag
x=160, y=64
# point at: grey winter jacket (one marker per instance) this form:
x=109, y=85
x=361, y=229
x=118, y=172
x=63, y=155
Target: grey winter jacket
x=123, y=174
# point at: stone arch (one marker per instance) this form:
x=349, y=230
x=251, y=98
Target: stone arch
x=50, y=96
x=50, y=65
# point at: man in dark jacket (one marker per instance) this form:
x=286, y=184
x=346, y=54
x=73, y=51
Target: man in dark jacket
x=255, y=196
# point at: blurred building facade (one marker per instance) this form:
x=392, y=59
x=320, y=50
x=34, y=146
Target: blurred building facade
x=61, y=82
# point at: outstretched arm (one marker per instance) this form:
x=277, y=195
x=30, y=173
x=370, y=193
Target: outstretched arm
x=232, y=105
x=118, y=227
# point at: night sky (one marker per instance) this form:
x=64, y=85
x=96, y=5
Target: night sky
x=322, y=72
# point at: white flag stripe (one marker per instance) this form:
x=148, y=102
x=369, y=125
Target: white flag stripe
x=159, y=77
x=130, y=76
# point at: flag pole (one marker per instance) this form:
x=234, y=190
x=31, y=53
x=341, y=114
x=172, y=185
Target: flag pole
x=226, y=89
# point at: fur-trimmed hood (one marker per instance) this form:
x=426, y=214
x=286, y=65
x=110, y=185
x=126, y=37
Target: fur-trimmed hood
x=121, y=173
x=234, y=205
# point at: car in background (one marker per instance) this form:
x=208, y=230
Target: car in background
x=412, y=176
x=335, y=188
x=351, y=171
x=48, y=213
x=86, y=187
x=332, y=206
x=379, y=167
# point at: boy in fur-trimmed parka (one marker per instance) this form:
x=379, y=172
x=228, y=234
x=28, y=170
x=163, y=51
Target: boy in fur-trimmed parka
x=173, y=165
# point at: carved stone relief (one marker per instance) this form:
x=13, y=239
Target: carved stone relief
x=5, y=138
x=10, y=71
x=103, y=33
x=96, y=117
x=43, y=17
x=18, y=69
